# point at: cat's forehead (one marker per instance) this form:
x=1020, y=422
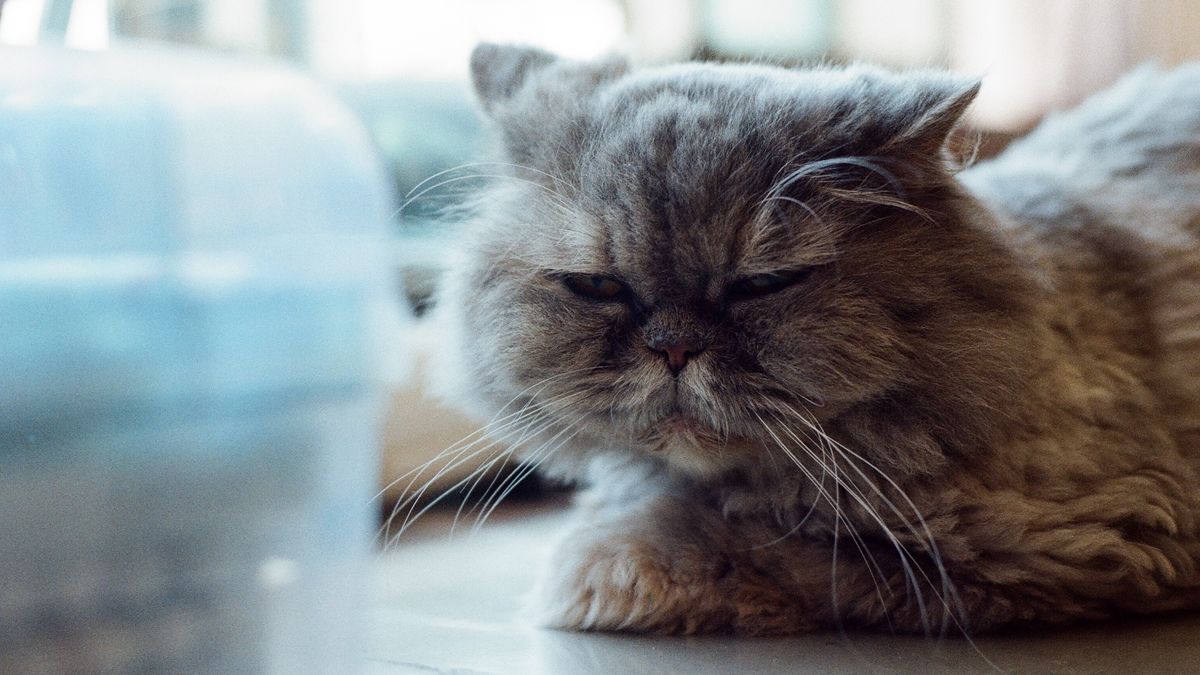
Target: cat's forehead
x=718, y=106
x=677, y=171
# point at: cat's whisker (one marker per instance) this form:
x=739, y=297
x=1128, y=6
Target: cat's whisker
x=457, y=459
x=439, y=174
x=948, y=598
x=512, y=447
x=557, y=181
x=533, y=465
x=903, y=554
x=555, y=197
x=839, y=484
x=795, y=202
x=411, y=501
x=840, y=518
x=874, y=570
x=949, y=592
x=834, y=600
x=820, y=171
x=482, y=432
x=482, y=471
x=818, y=484
x=449, y=454
x=549, y=422
x=498, y=423
x=867, y=557
x=541, y=385
x=523, y=425
x=413, y=516
x=487, y=432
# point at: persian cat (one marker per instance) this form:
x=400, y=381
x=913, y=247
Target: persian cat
x=814, y=372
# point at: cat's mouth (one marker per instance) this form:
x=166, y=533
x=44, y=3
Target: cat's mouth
x=688, y=443
x=675, y=428
x=678, y=423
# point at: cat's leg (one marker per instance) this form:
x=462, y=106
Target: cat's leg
x=668, y=565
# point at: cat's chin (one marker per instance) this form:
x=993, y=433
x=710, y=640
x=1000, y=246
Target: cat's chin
x=688, y=445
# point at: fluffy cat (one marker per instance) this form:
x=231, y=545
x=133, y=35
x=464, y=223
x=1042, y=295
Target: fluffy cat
x=816, y=377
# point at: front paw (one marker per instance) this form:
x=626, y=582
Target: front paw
x=620, y=583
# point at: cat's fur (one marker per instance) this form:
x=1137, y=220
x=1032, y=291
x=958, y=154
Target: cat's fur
x=979, y=406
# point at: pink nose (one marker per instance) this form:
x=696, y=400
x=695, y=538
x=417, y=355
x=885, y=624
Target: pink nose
x=677, y=354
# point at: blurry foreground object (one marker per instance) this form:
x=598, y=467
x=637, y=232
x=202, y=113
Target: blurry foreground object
x=192, y=275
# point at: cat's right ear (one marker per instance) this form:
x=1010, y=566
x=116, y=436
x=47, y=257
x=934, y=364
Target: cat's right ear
x=499, y=71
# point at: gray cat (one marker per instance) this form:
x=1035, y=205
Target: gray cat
x=816, y=377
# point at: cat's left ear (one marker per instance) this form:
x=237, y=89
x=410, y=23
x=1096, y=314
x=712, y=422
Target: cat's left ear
x=929, y=111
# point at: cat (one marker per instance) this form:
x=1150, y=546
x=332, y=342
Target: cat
x=818, y=374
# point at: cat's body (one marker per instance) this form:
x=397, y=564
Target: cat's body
x=811, y=378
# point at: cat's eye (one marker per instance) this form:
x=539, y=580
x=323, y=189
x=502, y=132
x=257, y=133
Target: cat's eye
x=759, y=285
x=594, y=286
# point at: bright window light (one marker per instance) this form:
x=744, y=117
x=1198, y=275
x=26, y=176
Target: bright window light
x=88, y=25
x=385, y=39
x=20, y=21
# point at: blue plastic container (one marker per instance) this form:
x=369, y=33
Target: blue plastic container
x=191, y=275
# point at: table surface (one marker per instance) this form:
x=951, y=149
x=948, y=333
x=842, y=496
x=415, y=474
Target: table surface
x=452, y=603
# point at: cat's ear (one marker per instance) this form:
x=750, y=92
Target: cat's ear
x=498, y=71
x=928, y=110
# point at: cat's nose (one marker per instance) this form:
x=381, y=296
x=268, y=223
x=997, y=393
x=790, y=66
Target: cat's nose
x=676, y=352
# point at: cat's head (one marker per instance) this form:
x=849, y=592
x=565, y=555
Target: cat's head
x=699, y=264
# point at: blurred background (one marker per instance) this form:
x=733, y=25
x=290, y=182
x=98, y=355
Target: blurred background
x=401, y=67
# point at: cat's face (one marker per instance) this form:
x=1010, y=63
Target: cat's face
x=687, y=261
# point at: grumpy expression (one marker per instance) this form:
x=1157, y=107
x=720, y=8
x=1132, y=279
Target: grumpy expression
x=684, y=262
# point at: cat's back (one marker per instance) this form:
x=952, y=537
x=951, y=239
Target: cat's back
x=1108, y=196
x=1128, y=156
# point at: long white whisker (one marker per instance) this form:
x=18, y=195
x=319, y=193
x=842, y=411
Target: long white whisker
x=519, y=418
x=904, y=556
x=492, y=484
x=523, y=425
x=949, y=592
x=556, y=197
x=873, y=567
x=925, y=534
x=839, y=518
x=468, y=165
x=483, y=431
x=412, y=516
x=824, y=493
x=532, y=466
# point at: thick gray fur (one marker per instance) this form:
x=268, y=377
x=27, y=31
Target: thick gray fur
x=977, y=403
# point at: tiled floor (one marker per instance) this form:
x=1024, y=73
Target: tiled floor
x=453, y=605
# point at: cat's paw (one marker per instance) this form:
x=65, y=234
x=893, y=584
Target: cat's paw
x=625, y=584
